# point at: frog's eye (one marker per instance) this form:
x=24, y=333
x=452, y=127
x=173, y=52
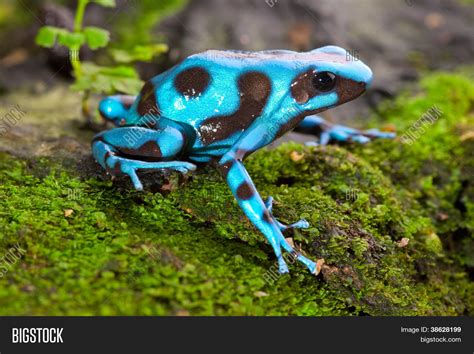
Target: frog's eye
x=324, y=81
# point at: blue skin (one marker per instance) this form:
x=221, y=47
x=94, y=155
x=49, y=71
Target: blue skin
x=252, y=98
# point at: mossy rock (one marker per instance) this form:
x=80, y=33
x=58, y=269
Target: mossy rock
x=393, y=222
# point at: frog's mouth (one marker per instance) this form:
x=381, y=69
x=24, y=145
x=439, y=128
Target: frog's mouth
x=345, y=89
x=348, y=90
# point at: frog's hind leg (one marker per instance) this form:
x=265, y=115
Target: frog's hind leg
x=300, y=224
x=258, y=213
x=327, y=132
x=128, y=149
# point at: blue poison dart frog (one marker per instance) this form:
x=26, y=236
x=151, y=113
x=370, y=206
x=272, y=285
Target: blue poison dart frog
x=219, y=107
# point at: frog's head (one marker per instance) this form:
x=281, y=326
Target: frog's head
x=328, y=77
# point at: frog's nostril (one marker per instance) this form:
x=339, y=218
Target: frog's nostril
x=367, y=84
x=368, y=76
x=369, y=79
x=359, y=89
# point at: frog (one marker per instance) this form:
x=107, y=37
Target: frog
x=218, y=107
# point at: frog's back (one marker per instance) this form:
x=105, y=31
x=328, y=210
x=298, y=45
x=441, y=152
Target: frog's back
x=206, y=84
x=210, y=86
x=279, y=57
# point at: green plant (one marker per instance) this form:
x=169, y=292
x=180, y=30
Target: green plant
x=144, y=15
x=90, y=77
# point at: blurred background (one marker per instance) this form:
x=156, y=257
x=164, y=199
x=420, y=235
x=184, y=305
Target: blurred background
x=398, y=39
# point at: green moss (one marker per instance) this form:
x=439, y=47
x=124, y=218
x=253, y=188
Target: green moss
x=436, y=171
x=189, y=249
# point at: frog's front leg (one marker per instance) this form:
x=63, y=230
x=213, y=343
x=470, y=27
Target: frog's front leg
x=251, y=203
x=327, y=132
x=128, y=149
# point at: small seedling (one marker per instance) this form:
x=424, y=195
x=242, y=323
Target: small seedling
x=91, y=78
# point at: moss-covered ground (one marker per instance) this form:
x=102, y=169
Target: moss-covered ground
x=393, y=221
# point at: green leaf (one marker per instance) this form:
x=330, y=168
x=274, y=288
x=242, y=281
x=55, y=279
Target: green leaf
x=120, y=71
x=105, y=3
x=138, y=53
x=121, y=55
x=71, y=40
x=82, y=84
x=96, y=37
x=88, y=68
x=129, y=86
x=108, y=80
x=46, y=36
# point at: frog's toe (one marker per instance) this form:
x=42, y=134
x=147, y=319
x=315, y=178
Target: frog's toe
x=375, y=133
x=184, y=167
x=340, y=133
x=311, y=143
x=269, y=203
x=117, y=166
x=313, y=267
x=135, y=180
x=325, y=138
x=282, y=267
x=371, y=134
x=361, y=139
x=300, y=224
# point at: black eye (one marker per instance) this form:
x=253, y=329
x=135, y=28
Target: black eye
x=324, y=81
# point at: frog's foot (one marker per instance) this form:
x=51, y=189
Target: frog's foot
x=128, y=149
x=377, y=134
x=291, y=256
x=119, y=165
x=259, y=212
x=300, y=224
x=341, y=133
x=328, y=132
